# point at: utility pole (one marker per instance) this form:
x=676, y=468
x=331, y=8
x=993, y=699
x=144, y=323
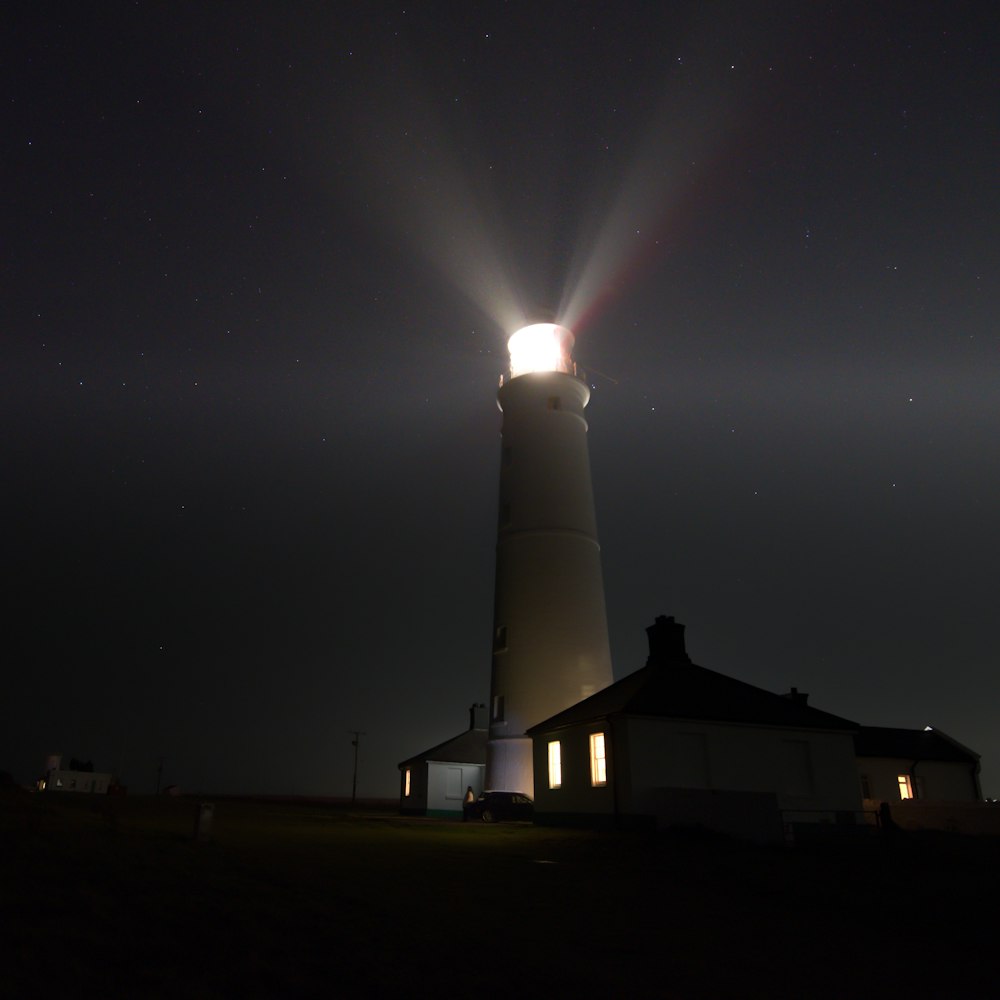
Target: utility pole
x=356, y=743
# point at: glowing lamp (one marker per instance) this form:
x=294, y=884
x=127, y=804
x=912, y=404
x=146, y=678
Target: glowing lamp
x=541, y=347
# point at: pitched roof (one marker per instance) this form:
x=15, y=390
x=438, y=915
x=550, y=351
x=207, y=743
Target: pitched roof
x=670, y=686
x=466, y=748
x=913, y=744
x=687, y=691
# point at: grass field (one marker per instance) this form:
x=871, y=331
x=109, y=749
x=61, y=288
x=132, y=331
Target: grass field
x=113, y=897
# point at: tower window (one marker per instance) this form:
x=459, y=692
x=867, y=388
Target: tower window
x=555, y=765
x=499, y=638
x=507, y=455
x=504, y=514
x=498, y=708
x=553, y=403
x=406, y=783
x=598, y=760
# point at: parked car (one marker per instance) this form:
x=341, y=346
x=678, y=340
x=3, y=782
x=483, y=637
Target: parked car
x=492, y=807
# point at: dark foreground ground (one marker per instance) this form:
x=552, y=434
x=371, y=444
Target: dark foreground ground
x=113, y=898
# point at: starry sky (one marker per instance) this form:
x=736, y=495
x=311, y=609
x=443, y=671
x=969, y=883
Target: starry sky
x=260, y=262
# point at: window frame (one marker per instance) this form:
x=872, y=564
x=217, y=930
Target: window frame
x=598, y=759
x=555, y=764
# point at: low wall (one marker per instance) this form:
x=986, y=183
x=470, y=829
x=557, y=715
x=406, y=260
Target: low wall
x=954, y=817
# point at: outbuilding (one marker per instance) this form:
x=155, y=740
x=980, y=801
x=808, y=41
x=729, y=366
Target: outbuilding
x=437, y=781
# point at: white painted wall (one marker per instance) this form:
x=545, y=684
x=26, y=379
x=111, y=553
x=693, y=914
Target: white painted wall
x=806, y=769
x=88, y=782
x=447, y=782
x=810, y=773
x=941, y=781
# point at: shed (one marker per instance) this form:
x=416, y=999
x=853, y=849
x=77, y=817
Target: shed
x=435, y=782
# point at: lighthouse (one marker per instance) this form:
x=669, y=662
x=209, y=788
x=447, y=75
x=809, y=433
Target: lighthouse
x=550, y=632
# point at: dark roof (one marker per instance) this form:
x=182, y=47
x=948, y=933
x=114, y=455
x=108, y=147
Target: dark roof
x=466, y=748
x=912, y=744
x=670, y=686
x=673, y=688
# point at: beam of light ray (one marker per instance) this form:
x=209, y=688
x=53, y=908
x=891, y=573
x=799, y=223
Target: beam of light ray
x=414, y=186
x=645, y=217
x=680, y=164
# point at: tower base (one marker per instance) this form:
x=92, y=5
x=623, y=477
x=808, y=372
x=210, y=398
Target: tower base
x=508, y=765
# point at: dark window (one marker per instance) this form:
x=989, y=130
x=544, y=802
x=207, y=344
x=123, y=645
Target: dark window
x=498, y=708
x=507, y=455
x=504, y=514
x=499, y=638
x=553, y=403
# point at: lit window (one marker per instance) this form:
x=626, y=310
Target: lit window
x=598, y=760
x=406, y=782
x=905, y=788
x=555, y=765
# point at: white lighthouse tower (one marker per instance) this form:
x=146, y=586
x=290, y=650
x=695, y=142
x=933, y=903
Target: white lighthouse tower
x=550, y=639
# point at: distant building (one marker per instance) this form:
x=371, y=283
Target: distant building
x=91, y=782
x=435, y=782
x=678, y=744
x=78, y=777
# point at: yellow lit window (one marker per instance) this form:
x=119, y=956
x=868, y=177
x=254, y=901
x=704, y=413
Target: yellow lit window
x=406, y=782
x=598, y=760
x=555, y=765
x=905, y=788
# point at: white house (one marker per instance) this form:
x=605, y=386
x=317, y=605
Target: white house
x=435, y=782
x=896, y=765
x=89, y=782
x=923, y=779
x=678, y=744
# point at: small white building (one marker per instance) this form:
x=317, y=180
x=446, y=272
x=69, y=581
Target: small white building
x=436, y=782
x=923, y=779
x=676, y=744
x=896, y=765
x=88, y=782
x=80, y=776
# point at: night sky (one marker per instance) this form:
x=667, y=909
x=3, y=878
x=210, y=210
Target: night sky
x=260, y=262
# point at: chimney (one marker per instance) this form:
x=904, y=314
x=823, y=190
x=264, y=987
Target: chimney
x=797, y=697
x=666, y=641
x=477, y=717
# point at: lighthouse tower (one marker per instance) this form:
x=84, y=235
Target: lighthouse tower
x=550, y=632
